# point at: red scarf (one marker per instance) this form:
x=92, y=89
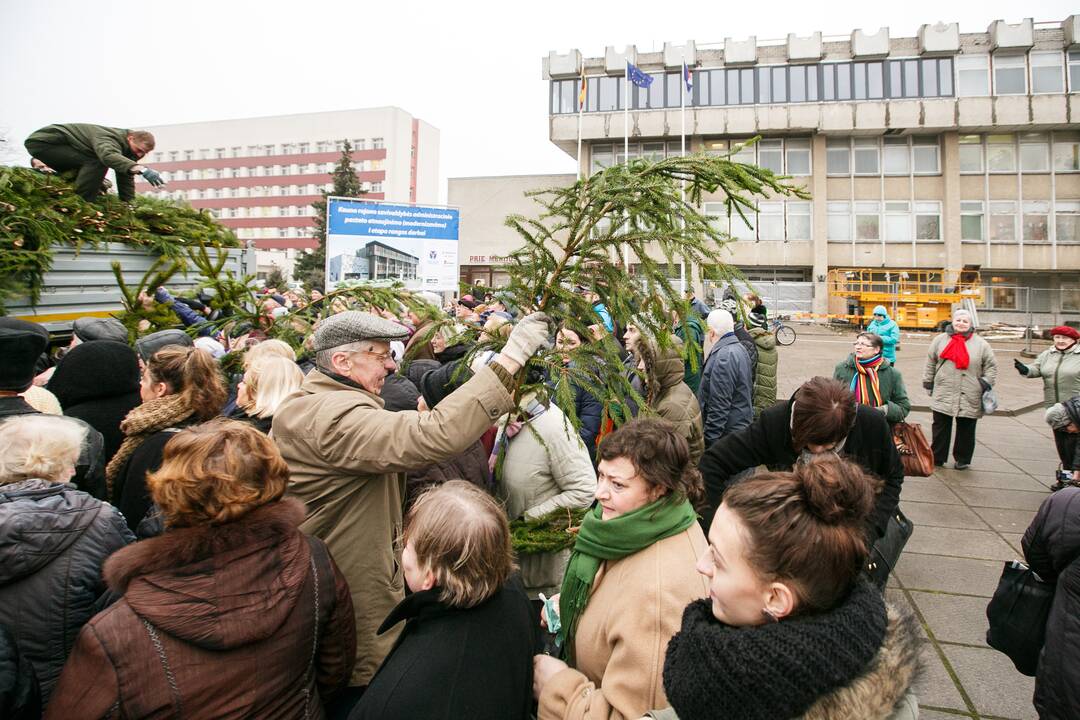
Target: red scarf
x=865, y=383
x=957, y=350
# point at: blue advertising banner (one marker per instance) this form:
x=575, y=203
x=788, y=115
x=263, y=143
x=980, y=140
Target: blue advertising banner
x=374, y=241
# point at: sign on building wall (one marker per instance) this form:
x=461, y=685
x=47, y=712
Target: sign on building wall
x=372, y=241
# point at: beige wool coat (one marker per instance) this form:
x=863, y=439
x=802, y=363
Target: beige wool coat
x=958, y=393
x=540, y=477
x=347, y=460
x=635, y=608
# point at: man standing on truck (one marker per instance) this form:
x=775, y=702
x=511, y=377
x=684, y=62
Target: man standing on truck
x=83, y=153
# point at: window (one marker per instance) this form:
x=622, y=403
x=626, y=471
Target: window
x=866, y=156
x=1001, y=153
x=971, y=221
x=897, y=222
x=601, y=157
x=971, y=154
x=771, y=220
x=867, y=221
x=771, y=155
x=174, y=156
x=1036, y=221
x=1034, y=153
x=303, y=148
x=972, y=75
x=798, y=156
x=896, y=159
x=798, y=220
x=1074, y=71
x=1067, y=221
x=376, y=187
x=1003, y=222
x=1047, y=75
x=838, y=156
x=189, y=154
x=743, y=155
x=839, y=221
x=716, y=147
x=1010, y=75
x=377, y=143
x=927, y=221
x=925, y=155
x=1066, y=152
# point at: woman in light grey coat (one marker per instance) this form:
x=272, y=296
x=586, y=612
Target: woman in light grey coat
x=960, y=367
x=545, y=467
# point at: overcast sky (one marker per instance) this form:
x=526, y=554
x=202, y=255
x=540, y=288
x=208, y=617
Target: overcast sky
x=471, y=69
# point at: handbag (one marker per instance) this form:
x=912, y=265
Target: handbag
x=1017, y=615
x=885, y=552
x=914, y=449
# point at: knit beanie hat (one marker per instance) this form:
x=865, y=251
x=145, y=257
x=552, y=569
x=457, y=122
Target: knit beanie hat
x=95, y=369
x=21, y=343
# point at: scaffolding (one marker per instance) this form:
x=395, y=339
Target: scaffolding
x=919, y=299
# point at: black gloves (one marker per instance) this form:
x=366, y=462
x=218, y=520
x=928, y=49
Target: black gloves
x=1020, y=367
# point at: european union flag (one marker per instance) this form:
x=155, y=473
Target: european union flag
x=636, y=76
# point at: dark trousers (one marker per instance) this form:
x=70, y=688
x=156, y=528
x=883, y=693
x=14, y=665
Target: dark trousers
x=963, y=448
x=1066, y=448
x=89, y=171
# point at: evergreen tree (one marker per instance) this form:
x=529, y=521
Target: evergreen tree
x=310, y=268
x=275, y=278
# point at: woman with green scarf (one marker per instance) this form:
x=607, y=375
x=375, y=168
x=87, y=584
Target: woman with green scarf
x=629, y=577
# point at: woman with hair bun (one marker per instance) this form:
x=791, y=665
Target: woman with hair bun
x=791, y=629
x=180, y=386
x=630, y=575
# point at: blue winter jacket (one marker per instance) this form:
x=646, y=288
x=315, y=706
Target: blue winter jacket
x=726, y=392
x=888, y=331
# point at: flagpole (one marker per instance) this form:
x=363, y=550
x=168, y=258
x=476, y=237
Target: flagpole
x=626, y=145
x=580, y=107
x=682, y=147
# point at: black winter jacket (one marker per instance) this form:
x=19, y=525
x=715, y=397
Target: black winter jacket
x=20, y=698
x=768, y=442
x=98, y=382
x=54, y=540
x=452, y=663
x=399, y=393
x=132, y=496
x=1052, y=549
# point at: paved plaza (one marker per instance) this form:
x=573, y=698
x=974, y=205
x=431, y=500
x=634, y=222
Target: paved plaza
x=966, y=524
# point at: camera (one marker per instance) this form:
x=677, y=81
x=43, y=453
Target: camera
x=1062, y=479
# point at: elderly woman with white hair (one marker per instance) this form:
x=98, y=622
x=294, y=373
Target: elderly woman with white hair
x=960, y=367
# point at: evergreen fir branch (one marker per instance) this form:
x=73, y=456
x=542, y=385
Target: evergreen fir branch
x=554, y=532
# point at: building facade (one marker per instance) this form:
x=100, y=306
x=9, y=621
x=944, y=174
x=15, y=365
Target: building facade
x=259, y=176
x=943, y=151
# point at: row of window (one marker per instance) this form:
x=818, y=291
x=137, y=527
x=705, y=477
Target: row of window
x=272, y=232
x=1001, y=223
x=237, y=151
x=265, y=170
x=970, y=75
x=904, y=221
x=1030, y=152
x=260, y=212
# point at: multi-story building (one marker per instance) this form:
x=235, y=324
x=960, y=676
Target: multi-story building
x=943, y=151
x=260, y=175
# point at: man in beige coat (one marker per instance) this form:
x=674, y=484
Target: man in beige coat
x=347, y=455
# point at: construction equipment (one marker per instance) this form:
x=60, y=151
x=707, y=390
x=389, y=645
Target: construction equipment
x=916, y=299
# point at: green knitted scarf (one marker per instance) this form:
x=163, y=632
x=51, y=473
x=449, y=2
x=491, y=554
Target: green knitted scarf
x=600, y=540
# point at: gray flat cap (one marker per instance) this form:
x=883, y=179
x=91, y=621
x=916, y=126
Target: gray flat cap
x=353, y=326
x=147, y=346
x=94, y=328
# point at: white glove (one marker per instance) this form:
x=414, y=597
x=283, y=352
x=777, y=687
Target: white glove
x=527, y=337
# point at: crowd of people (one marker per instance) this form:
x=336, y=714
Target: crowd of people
x=329, y=534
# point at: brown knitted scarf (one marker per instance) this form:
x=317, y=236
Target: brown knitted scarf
x=142, y=422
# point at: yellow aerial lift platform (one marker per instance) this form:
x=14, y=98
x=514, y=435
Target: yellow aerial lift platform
x=917, y=299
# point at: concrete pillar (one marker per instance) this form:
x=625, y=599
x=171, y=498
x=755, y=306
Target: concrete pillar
x=950, y=205
x=820, y=241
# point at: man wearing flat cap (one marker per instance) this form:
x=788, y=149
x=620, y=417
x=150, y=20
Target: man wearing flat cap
x=348, y=456
x=21, y=343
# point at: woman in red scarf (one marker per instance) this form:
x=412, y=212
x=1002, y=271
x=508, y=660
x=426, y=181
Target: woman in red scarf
x=874, y=380
x=960, y=367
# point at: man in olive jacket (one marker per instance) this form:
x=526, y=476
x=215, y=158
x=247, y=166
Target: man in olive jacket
x=348, y=455
x=84, y=153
